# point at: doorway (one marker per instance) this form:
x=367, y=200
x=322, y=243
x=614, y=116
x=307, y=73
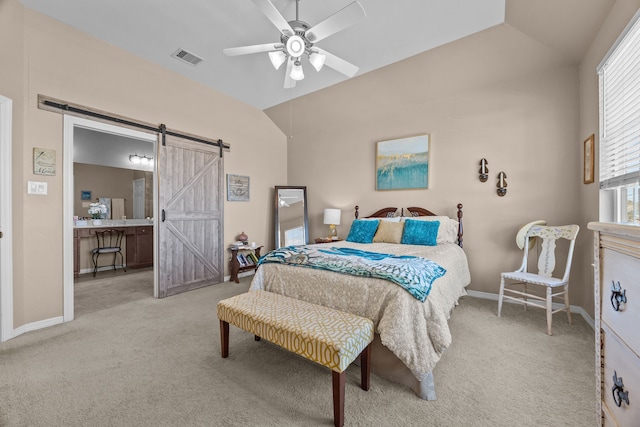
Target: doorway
x=71, y=126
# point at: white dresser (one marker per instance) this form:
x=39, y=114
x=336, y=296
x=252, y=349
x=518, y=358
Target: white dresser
x=617, y=322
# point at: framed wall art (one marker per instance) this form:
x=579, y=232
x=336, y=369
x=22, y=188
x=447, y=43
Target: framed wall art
x=44, y=161
x=403, y=164
x=237, y=188
x=588, y=165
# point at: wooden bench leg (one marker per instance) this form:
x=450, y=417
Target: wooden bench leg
x=338, y=397
x=224, y=338
x=365, y=367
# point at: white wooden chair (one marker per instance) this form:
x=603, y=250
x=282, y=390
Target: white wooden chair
x=555, y=287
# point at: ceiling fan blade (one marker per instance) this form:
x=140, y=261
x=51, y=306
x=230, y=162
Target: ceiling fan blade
x=338, y=64
x=257, y=48
x=340, y=20
x=288, y=81
x=274, y=16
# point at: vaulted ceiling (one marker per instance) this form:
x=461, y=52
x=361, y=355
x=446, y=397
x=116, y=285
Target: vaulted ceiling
x=391, y=32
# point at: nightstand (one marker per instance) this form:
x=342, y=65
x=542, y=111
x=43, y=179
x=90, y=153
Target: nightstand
x=243, y=258
x=326, y=240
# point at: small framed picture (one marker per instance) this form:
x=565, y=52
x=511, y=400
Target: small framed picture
x=237, y=188
x=588, y=166
x=85, y=195
x=44, y=161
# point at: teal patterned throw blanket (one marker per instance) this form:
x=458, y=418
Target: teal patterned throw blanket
x=414, y=274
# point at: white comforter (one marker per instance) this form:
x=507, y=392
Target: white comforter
x=417, y=333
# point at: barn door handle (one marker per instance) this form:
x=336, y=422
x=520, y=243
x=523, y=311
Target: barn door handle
x=164, y=216
x=618, y=295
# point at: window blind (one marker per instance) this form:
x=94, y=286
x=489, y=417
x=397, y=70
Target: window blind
x=619, y=77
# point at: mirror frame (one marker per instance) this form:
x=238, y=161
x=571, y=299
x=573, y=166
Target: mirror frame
x=276, y=215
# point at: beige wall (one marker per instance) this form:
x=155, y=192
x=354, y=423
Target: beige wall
x=46, y=57
x=498, y=95
x=616, y=21
x=102, y=181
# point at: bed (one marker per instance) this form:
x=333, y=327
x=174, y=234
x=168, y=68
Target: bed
x=411, y=335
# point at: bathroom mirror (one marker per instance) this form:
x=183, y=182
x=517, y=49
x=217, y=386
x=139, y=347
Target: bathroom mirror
x=291, y=226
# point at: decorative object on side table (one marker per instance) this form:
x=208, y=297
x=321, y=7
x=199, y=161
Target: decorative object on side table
x=502, y=184
x=332, y=218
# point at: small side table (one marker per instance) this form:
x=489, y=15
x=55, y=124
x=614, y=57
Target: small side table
x=326, y=240
x=239, y=253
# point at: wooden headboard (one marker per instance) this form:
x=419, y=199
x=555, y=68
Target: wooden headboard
x=412, y=211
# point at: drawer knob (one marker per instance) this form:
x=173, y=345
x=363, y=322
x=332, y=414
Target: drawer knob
x=618, y=390
x=618, y=295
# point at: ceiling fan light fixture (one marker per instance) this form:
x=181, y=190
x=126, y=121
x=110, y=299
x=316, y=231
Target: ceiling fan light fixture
x=317, y=60
x=296, y=71
x=277, y=58
x=295, y=46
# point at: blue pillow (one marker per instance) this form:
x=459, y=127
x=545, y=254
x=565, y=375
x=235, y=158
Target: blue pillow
x=362, y=231
x=420, y=232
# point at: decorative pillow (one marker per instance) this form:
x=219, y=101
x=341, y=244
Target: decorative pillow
x=362, y=231
x=448, y=230
x=389, y=232
x=420, y=232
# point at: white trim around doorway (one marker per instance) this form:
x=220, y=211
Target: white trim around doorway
x=71, y=122
x=6, y=243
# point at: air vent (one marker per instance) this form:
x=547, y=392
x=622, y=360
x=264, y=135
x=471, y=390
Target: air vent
x=187, y=57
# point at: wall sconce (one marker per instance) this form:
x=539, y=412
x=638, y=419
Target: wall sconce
x=502, y=184
x=484, y=170
x=141, y=160
x=332, y=218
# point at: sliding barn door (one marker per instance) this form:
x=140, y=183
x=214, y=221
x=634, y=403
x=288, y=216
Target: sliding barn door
x=191, y=223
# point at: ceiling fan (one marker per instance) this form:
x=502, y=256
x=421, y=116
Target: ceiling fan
x=297, y=39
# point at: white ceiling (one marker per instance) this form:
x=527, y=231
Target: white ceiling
x=154, y=29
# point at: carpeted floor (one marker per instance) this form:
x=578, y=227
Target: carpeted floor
x=137, y=361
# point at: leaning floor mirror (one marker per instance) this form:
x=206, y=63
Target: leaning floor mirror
x=291, y=225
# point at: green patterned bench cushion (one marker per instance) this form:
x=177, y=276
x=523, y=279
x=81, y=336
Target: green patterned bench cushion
x=329, y=337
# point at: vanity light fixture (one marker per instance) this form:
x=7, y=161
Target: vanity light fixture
x=141, y=160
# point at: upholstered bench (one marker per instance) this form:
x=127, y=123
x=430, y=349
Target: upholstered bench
x=326, y=336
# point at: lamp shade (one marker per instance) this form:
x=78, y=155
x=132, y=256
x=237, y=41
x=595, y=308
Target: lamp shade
x=332, y=216
x=296, y=71
x=277, y=58
x=317, y=60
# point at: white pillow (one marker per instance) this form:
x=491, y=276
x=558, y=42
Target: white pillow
x=448, y=230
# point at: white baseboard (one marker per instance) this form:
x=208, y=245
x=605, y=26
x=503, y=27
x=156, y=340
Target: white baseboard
x=574, y=308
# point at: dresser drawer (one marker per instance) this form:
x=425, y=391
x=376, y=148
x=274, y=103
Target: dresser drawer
x=623, y=269
x=625, y=364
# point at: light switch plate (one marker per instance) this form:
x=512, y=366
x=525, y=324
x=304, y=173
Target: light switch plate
x=37, y=188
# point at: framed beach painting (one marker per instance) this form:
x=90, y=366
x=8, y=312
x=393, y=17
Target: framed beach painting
x=403, y=164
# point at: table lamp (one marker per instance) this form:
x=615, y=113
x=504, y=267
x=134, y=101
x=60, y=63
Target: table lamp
x=332, y=218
